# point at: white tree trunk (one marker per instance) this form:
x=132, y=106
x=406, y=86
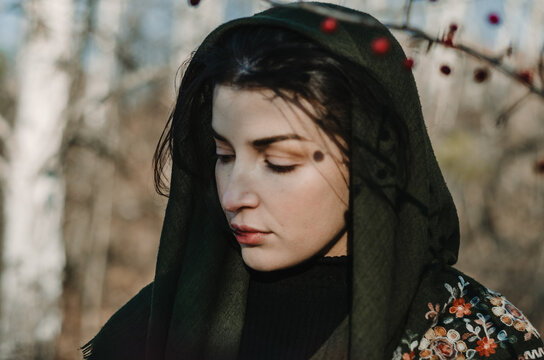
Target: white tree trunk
x=190, y=26
x=33, y=256
x=240, y=8
x=100, y=122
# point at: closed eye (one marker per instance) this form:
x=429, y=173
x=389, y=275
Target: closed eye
x=282, y=169
x=224, y=158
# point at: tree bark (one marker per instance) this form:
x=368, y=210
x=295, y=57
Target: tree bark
x=190, y=26
x=100, y=122
x=33, y=255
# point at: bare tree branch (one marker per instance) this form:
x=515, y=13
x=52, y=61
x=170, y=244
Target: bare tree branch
x=494, y=62
x=142, y=77
x=75, y=138
x=503, y=117
x=128, y=83
x=3, y=169
x=407, y=11
x=5, y=128
x=99, y=147
x=540, y=66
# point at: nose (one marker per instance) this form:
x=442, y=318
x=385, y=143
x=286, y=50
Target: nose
x=239, y=192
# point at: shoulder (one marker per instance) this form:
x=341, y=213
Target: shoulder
x=475, y=323
x=124, y=334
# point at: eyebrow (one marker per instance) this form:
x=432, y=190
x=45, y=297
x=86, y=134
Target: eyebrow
x=264, y=142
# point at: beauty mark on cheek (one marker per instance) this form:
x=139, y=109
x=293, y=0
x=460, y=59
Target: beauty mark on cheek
x=318, y=156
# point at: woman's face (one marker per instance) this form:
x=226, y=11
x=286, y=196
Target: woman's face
x=280, y=179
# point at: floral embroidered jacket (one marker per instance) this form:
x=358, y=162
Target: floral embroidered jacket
x=474, y=323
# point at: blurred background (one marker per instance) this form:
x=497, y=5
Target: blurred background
x=86, y=87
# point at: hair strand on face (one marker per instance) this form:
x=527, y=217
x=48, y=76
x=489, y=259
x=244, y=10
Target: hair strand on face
x=321, y=84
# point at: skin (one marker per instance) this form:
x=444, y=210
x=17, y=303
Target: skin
x=278, y=187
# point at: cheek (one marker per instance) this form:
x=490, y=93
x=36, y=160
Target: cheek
x=308, y=202
x=221, y=178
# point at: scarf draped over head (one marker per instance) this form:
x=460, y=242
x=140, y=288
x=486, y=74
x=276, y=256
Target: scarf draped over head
x=404, y=229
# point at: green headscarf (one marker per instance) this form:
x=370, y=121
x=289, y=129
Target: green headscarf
x=195, y=307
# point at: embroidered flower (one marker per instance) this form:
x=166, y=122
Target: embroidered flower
x=447, y=338
x=460, y=308
x=510, y=315
x=440, y=331
x=461, y=346
x=486, y=347
x=444, y=348
x=425, y=354
x=512, y=310
x=433, y=311
x=507, y=320
x=495, y=300
x=519, y=325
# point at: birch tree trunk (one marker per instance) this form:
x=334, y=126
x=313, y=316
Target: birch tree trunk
x=240, y=8
x=191, y=24
x=33, y=254
x=100, y=122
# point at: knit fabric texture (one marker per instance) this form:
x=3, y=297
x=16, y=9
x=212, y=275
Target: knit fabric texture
x=290, y=313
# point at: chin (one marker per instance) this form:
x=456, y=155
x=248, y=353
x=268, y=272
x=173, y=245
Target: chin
x=261, y=261
x=257, y=265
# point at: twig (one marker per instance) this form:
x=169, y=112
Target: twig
x=407, y=12
x=128, y=83
x=5, y=128
x=540, y=66
x=505, y=114
x=99, y=147
x=417, y=33
x=142, y=77
x=3, y=169
x=492, y=61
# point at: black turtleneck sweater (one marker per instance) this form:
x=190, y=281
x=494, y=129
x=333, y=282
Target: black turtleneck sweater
x=290, y=313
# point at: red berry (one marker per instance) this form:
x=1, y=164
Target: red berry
x=194, y=2
x=481, y=75
x=494, y=18
x=408, y=63
x=453, y=27
x=381, y=46
x=329, y=25
x=526, y=76
x=445, y=69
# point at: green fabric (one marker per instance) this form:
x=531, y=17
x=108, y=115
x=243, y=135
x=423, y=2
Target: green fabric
x=197, y=300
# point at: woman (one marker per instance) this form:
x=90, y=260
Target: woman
x=307, y=215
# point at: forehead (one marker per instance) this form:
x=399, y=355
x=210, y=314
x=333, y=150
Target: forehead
x=259, y=113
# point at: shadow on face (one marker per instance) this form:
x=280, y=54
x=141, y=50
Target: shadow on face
x=280, y=179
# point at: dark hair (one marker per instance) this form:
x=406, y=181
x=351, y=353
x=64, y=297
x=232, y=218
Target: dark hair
x=266, y=57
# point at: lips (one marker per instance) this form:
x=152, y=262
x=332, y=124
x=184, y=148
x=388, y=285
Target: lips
x=248, y=235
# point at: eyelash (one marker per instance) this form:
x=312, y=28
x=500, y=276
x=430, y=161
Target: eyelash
x=275, y=168
x=224, y=158
x=280, y=169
